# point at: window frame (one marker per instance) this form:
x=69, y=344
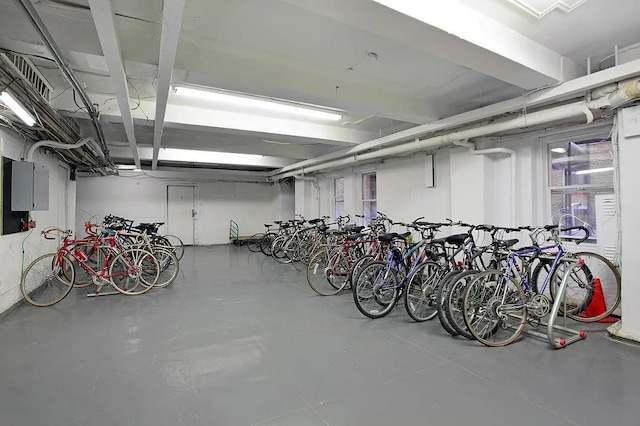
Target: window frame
x=580, y=135
x=334, y=198
x=362, y=199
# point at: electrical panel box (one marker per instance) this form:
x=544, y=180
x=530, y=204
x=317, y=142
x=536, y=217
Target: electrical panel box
x=29, y=186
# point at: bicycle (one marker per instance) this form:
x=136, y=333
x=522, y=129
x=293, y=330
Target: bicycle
x=49, y=278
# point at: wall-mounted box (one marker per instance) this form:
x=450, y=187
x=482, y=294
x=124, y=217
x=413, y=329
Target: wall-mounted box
x=29, y=186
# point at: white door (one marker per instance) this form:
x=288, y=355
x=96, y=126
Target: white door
x=62, y=184
x=181, y=212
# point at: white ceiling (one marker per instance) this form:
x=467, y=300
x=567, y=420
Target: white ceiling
x=432, y=60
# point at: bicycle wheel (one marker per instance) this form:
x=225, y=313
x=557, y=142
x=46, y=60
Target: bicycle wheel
x=582, y=291
x=266, y=242
x=253, y=244
x=177, y=244
x=278, y=250
x=44, y=283
x=440, y=297
x=134, y=271
x=324, y=272
x=540, y=273
x=452, y=304
x=494, y=308
x=376, y=290
x=357, y=266
x=422, y=288
x=169, y=266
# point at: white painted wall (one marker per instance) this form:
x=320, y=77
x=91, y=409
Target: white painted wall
x=60, y=213
x=143, y=198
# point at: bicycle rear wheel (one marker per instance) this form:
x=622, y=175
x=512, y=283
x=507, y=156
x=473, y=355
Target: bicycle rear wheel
x=327, y=272
x=494, y=308
x=422, y=288
x=134, y=271
x=169, y=266
x=253, y=244
x=44, y=283
x=265, y=243
x=440, y=298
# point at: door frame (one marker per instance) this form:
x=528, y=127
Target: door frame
x=193, y=218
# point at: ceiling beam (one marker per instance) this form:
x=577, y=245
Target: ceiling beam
x=103, y=17
x=455, y=33
x=171, y=23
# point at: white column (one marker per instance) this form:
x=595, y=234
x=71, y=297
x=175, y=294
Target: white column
x=629, y=138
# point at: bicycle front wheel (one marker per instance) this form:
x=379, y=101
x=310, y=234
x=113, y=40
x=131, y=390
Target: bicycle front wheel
x=375, y=290
x=47, y=280
x=494, y=308
x=177, y=244
x=134, y=271
x=327, y=272
x=585, y=302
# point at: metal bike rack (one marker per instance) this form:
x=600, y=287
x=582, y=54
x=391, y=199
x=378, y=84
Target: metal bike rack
x=571, y=335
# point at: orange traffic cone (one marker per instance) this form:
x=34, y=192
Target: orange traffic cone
x=597, y=305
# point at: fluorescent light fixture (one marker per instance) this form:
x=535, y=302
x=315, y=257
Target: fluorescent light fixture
x=589, y=171
x=17, y=108
x=125, y=167
x=276, y=142
x=259, y=103
x=559, y=150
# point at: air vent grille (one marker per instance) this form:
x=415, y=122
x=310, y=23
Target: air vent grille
x=31, y=74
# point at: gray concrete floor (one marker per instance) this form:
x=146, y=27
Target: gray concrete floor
x=240, y=340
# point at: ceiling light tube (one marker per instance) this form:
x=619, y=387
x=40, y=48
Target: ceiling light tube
x=559, y=150
x=589, y=171
x=264, y=104
x=125, y=166
x=17, y=108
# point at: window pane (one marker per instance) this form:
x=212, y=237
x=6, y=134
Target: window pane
x=339, y=209
x=575, y=207
x=369, y=210
x=369, y=187
x=338, y=188
x=581, y=163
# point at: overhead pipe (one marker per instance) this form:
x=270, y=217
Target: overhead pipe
x=605, y=78
x=55, y=144
x=624, y=94
x=514, y=160
x=32, y=16
x=532, y=119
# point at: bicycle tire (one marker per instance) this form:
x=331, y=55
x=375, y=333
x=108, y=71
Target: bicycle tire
x=266, y=241
x=278, y=252
x=177, y=244
x=422, y=288
x=580, y=289
x=453, y=300
x=169, y=266
x=320, y=276
x=253, y=243
x=375, y=290
x=134, y=271
x=43, y=282
x=484, y=309
x=357, y=266
x=442, y=291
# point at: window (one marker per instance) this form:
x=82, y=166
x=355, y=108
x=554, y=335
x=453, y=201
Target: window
x=369, y=197
x=338, y=197
x=579, y=174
